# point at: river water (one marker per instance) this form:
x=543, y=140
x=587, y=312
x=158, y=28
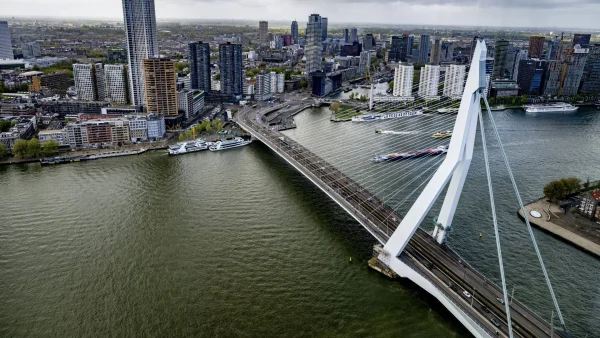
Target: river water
x=238, y=244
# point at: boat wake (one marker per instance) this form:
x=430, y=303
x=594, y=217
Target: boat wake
x=396, y=132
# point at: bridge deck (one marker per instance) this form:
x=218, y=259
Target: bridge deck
x=437, y=263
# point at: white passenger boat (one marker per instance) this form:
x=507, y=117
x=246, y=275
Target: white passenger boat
x=229, y=144
x=385, y=116
x=550, y=107
x=188, y=147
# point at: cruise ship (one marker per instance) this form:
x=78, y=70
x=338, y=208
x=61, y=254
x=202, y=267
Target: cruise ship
x=188, y=147
x=550, y=107
x=228, y=144
x=411, y=154
x=385, y=116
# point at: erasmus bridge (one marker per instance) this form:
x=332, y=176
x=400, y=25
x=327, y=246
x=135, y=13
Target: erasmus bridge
x=405, y=249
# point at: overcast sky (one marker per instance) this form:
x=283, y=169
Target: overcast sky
x=521, y=13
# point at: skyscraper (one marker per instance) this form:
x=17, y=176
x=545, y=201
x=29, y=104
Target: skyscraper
x=353, y=35
x=140, y=30
x=323, y=29
x=199, y=61
x=531, y=76
x=500, y=59
x=314, y=48
x=263, y=31
x=368, y=42
x=160, y=80
x=582, y=40
x=411, y=43
x=399, y=49
x=564, y=74
x=423, y=49
x=454, y=82
x=403, y=81
x=294, y=32
x=230, y=64
x=591, y=73
x=536, y=46
x=6, y=51
x=346, y=35
x=429, y=82
x=436, y=51
x=89, y=81
x=365, y=62
x=447, y=52
x=116, y=83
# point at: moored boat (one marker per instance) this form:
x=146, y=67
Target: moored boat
x=555, y=107
x=385, y=116
x=229, y=144
x=188, y=147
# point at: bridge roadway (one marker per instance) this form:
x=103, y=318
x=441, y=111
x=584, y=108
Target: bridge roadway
x=436, y=263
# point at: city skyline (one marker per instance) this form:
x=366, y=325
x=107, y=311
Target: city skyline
x=507, y=13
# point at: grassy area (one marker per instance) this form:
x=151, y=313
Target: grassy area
x=347, y=113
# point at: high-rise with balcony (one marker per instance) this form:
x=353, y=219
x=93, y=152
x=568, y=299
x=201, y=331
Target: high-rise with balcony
x=294, y=32
x=160, y=81
x=314, y=48
x=536, y=46
x=403, y=81
x=89, y=81
x=501, y=59
x=116, y=83
x=429, y=82
x=140, y=29
x=454, y=81
x=230, y=64
x=423, y=49
x=199, y=62
x=263, y=31
x=6, y=51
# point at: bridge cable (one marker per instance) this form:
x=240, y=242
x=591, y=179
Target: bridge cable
x=496, y=230
x=522, y=207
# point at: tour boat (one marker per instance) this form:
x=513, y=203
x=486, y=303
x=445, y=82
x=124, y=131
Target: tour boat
x=188, y=147
x=411, y=154
x=229, y=144
x=385, y=116
x=550, y=107
x=442, y=134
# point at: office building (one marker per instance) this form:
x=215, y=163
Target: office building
x=429, y=82
x=564, y=75
x=423, y=49
x=521, y=54
x=501, y=60
x=399, y=49
x=89, y=82
x=531, y=76
x=353, y=49
x=590, y=82
x=59, y=82
x=353, y=35
x=403, y=82
x=287, y=39
x=140, y=30
x=369, y=42
x=277, y=82
x=454, y=81
x=447, y=52
x=583, y=40
x=536, y=46
x=263, y=31
x=314, y=48
x=365, y=62
x=294, y=32
x=160, y=81
x=191, y=102
x=323, y=29
x=230, y=64
x=277, y=42
x=552, y=49
x=436, y=51
x=31, y=50
x=117, y=89
x=263, y=87
x=504, y=88
x=6, y=51
x=199, y=63
x=346, y=35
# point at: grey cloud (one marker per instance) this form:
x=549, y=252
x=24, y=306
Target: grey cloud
x=537, y=4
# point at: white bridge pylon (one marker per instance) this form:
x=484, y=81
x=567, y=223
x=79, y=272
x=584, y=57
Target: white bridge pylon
x=453, y=169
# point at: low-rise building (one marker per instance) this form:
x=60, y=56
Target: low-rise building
x=58, y=135
x=191, y=102
x=504, y=88
x=590, y=204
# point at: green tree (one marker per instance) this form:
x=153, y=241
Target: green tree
x=188, y=134
x=33, y=147
x=181, y=137
x=20, y=148
x=199, y=127
x=219, y=126
x=351, y=96
x=391, y=85
x=554, y=190
x=571, y=184
x=303, y=83
x=208, y=128
x=215, y=122
x=217, y=76
x=335, y=107
x=2, y=150
x=288, y=75
x=50, y=147
x=13, y=123
x=4, y=125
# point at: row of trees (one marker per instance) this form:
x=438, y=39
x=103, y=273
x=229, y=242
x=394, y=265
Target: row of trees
x=560, y=189
x=205, y=125
x=32, y=148
x=6, y=125
x=357, y=97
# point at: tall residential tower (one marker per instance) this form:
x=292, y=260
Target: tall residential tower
x=140, y=29
x=294, y=32
x=230, y=64
x=6, y=51
x=314, y=48
x=200, y=65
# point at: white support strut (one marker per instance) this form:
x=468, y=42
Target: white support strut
x=455, y=165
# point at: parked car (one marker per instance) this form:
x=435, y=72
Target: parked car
x=467, y=294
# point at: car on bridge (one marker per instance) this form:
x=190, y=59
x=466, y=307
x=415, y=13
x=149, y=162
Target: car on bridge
x=467, y=294
x=495, y=321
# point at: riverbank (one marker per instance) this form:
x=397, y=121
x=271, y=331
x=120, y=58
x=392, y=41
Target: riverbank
x=563, y=226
